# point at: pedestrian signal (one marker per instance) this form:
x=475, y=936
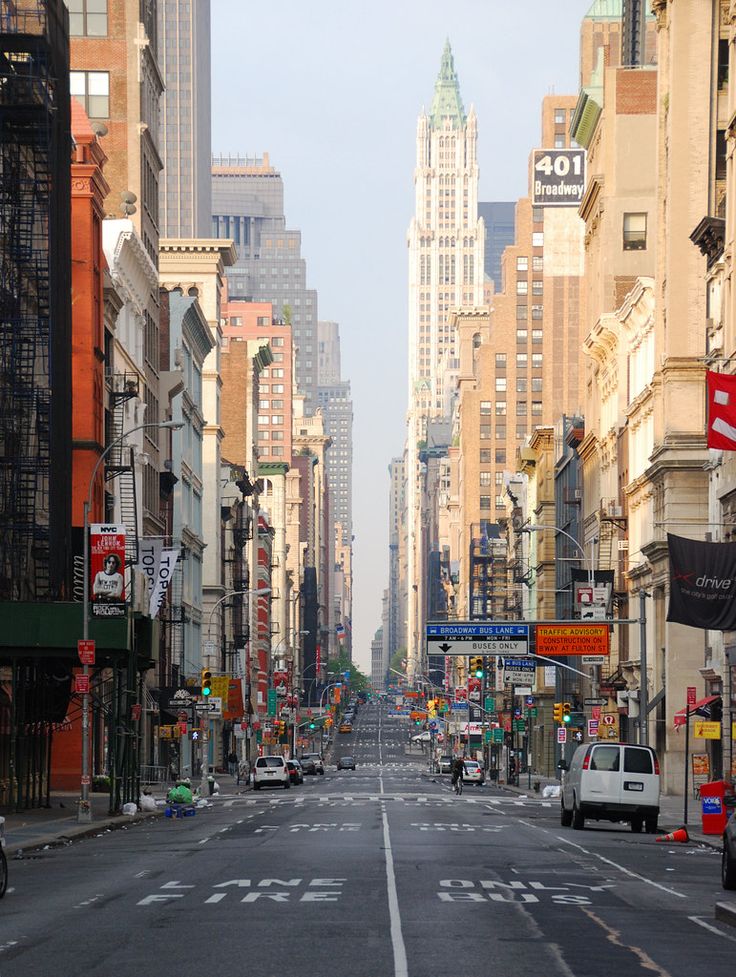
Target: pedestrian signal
x=206, y=682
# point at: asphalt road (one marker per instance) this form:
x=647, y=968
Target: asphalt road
x=381, y=872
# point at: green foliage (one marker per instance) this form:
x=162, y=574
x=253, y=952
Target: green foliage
x=397, y=660
x=101, y=785
x=358, y=681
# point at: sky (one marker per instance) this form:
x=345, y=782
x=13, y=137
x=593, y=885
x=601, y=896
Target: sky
x=332, y=89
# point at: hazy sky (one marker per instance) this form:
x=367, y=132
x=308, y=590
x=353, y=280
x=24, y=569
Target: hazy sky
x=331, y=89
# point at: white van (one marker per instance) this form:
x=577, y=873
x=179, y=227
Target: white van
x=611, y=782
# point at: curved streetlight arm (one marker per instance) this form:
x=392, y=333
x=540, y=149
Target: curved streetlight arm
x=233, y=593
x=540, y=527
x=326, y=689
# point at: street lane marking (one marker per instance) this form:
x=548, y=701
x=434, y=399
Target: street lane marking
x=626, y=871
x=400, y=964
x=713, y=929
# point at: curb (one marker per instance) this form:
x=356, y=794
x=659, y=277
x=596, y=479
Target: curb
x=80, y=832
x=726, y=912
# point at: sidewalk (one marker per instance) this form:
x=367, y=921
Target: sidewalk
x=58, y=825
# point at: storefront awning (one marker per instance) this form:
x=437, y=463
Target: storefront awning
x=701, y=708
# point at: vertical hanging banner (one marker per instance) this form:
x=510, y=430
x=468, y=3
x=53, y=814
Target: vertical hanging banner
x=166, y=565
x=702, y=583
x=721, y=411
x=157, y=562
x=107, y=564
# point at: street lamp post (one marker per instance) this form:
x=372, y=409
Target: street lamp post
x=84, y=811
x=206, y=732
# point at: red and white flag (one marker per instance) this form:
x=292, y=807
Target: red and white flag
x=721, y=411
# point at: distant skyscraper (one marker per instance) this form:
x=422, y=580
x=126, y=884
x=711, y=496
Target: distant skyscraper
x=337, y=405
x=446, y=245
x=184, y=57
x=248, y=206
x=499, y=218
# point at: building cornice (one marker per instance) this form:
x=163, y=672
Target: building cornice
x=129, y=262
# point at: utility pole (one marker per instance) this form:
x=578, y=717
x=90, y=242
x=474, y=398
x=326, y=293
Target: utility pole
x=644, y=677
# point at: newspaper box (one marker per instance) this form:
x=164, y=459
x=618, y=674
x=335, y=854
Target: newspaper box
x=713, y=806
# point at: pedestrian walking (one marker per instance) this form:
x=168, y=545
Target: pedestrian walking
x=232, y=763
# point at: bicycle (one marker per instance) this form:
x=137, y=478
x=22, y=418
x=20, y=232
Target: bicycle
x=458, y=786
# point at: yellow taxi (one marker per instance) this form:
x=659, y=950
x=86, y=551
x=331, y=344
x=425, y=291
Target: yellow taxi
x=345, y=728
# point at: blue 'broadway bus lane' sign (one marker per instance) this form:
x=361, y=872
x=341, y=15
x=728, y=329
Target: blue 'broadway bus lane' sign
x=475, y=638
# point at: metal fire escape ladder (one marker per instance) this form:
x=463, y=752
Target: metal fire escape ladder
x=120, y=465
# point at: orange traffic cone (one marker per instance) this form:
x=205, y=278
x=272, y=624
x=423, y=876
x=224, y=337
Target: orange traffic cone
x=679, y=835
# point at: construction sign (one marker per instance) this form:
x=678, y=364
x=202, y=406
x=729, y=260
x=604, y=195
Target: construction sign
x=705, y=730
x=556, y=640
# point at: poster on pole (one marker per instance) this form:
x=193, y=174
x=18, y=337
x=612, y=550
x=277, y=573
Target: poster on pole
x=106, y=566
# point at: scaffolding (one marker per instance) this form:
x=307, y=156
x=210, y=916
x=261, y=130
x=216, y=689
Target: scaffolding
x=28, y=96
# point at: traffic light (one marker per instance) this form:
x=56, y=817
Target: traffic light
x=557, y=712
x=206, y=682
x=476, y=666
x=566, y=712
x=312, y=725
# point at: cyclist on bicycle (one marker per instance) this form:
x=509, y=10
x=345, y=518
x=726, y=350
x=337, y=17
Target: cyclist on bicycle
x=458, y=767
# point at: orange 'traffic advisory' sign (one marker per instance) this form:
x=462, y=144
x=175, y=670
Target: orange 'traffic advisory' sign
x=555, y=640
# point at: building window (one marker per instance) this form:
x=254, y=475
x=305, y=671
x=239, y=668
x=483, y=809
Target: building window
x=635, y=232
x=263, y=435
x=500, y=456
x=536, y=385
x=537, y=335
x=485, y=479
x=521, y=408
x=500, y=384
x=559, y=141
x=500, y=502
x=500, y=433
x=520, y=432
x=538, y=239
x=559, y=117
x=485, y=432
x=264, y=404
x=263, y=420
x=522, y=335
x=87, y=18
x=522, y=287
x=92, y=88
x=522, y=263
x=536, y=361
x=537, y=263
x=277, y=373
x=485, y=456
x=536, y=408
x=500, y=361
x=537, y=287
x=537, y=312
x=485, y=407
x=521, y=312
x=277, y=388
x=538, y=215
x=521, y=385
x=485, y=502
x=521, y=361
x=499, y=478
x=277, y=340
x=500, y=408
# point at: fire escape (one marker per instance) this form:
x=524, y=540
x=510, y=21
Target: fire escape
x=123, y=387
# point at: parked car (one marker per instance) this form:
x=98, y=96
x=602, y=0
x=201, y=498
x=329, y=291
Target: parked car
x=296, y=774
x=728, y=862
x=473, y=772
x=346, y=763
x=315, y=759
x=611, y=782
x=444, y=764
x=271, y=770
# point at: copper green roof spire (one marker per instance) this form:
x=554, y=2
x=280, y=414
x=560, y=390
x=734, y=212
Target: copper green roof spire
x=447, y=103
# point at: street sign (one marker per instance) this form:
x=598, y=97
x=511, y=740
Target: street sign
x=592, y=728
x=489, y=704
x=592, y=659
x=519, y=725
x=211, y=706
x=555, y=640
x=518, y=671
x=559, y=177
x=81, y=684
x=702, y=729
x=692, y=693
x=86, y=651
x=595, y=702
x=498, y=736
x=272, y=702
x=472, y=638
x=561, y=734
